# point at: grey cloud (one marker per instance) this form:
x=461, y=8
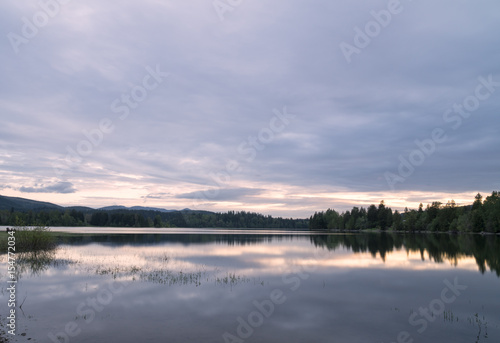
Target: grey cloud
x=353, y=120
x=60, y=187
x=222, y=194
x=157, y=196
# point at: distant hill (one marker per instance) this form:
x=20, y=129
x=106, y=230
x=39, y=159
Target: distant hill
x=137, y=208
x=21, y=204
x=83, y=209
x=31, y=212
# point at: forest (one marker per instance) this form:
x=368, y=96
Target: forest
x=483, y=215
x=144, y=218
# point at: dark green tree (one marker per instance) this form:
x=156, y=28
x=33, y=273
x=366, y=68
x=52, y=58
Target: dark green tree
x=381, y=216
x=372, y=216
x=397, y=221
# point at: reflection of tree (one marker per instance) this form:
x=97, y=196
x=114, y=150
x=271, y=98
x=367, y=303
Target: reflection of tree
x=34, y=262
x=151, y=239
x=439, y=247
x=34, y=249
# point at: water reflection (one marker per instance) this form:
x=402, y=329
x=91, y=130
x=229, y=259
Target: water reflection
x=34, y=262
x=438, y=247
x=185, y=288
x=140, y=256
x=186, y=239
x=485, y=249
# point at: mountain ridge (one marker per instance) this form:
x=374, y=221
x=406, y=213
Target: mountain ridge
x=24, y=204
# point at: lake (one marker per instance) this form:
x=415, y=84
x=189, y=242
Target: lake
x=193, y=285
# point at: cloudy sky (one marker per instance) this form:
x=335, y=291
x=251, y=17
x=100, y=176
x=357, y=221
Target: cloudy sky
x=283, y=107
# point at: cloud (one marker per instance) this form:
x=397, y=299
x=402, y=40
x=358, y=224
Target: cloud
x=157, y=196
x=224, y=194
x=353, y=120
x=60, y=187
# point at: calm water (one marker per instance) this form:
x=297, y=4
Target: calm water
x=255, y=286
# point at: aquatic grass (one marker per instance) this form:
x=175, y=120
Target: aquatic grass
x=134, y=269
x=231, y=279
x=481, y=324
x=449, y=316
x=3, y=243
x=35, y=238
x=3, y=330
x=164, y=258
x=476, y=320
x=114, y=272
x=35, y=261
x=170, y=278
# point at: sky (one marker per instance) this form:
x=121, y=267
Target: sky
x=282, y=107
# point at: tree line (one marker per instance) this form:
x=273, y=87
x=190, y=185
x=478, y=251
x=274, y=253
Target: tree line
x=147, y=218
x=481, y=215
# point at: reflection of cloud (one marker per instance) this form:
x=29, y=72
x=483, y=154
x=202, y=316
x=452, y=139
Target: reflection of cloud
x=34, y=262
x=59, y=187
x=400, y=259
x=251, y=260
